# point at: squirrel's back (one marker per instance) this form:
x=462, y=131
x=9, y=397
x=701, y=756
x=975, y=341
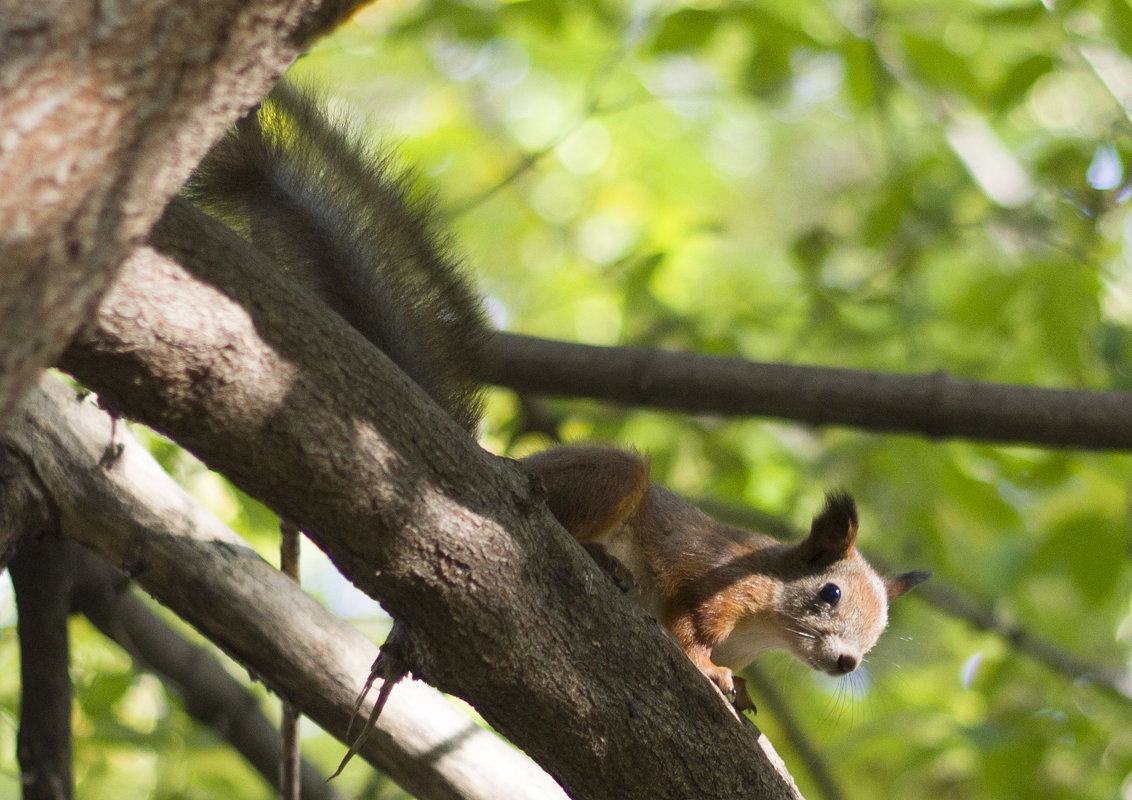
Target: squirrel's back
x=329, y=210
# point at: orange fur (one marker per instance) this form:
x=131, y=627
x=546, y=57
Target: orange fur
x=590, y=489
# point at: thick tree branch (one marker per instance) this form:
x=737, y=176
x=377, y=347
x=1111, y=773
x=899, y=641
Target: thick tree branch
x=937, y=405
x=26, y=510
x=502, y=608
x=105, y=109
x=127, y=509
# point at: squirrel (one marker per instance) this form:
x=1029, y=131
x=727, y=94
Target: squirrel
x=310, y=194
x=724, y=593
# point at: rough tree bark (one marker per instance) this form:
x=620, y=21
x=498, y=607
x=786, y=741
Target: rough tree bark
x=107, y=107
x=502, y=608
x=110, y=495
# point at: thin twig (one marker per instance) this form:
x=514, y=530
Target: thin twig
x=290, y=761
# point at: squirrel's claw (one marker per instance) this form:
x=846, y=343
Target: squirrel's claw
x=733, y=687
x=741, y=699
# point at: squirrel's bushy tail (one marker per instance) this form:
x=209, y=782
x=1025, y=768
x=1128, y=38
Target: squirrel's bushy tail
x=330, y=211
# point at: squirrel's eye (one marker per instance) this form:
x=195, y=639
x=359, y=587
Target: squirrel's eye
x=830, y=594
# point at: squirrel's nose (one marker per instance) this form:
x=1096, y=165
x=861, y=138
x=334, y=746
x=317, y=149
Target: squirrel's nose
x=846, y=664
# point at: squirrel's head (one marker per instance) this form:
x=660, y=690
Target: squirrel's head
x=835, y=605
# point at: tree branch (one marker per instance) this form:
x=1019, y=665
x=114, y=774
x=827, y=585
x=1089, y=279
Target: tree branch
x=26, y=510
x=937, y=405
x=501, y=606
x=54, y=578
x=290, y=759
x=134, y=515
x=43, y=576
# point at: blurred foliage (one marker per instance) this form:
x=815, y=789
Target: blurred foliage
x=903, y=186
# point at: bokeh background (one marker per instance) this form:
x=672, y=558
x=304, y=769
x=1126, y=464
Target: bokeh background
x=906, y=186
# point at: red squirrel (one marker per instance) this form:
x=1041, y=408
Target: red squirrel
x=314, y=198
x=725, y=594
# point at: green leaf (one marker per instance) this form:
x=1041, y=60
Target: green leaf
x=1066, y=306
x=1094, y=549
x=1010, y=759
x=688, y=28
x=866, y=76
x=812, y=247
x=1020, y=16
x=769, y=70
x=884, y=218
x=1020, y=78
x=469, y=22
x=547, y=15
x=1121, y=27
x=939, y=65
x=104, y=691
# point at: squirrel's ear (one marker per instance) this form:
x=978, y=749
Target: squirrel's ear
x=906, y=582
x=834, y=531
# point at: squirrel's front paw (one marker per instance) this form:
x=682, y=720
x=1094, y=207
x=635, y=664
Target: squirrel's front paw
x=733, y=687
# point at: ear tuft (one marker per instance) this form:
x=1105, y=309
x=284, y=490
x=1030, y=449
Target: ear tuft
x=834, y=531
x=842, y=507
x=905, y=582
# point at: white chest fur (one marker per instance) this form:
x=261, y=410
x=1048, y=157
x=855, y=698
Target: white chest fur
x=746, y=641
